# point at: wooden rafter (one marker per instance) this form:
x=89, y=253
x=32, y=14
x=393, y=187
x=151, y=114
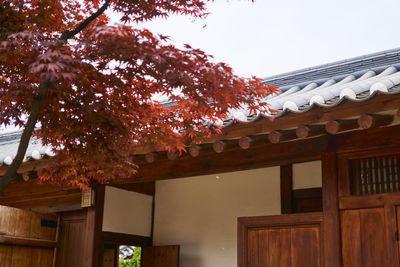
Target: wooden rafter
x=337, y=126
x=367, y=121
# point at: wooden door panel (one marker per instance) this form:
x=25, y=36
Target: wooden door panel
x=160, y=256
x=264, y=254
x=289, y=240
x=295, y=246
x=253, y=247
x=364, y=241
x=71, y=251
x=279, y=248
x=373, y=238
x=305, y=247
x=351, y=241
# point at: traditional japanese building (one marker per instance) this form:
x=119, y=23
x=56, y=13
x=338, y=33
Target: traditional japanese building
x=316, y=184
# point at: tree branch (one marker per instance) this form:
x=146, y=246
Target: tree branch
x=69, y=34
x=44, y=86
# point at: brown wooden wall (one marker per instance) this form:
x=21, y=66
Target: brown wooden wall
x=23, y=241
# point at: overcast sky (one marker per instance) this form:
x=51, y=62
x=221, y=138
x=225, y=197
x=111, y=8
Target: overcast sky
x=269, y=37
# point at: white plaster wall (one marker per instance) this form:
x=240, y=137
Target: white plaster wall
x=200, y=213
x=307, y=175
x=127, y=212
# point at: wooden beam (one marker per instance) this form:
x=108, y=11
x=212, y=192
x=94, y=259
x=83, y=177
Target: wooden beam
x=276, y=137
x=331, y=229
x=43, y=198
x=336, y=126
x=245, y=142
x=307, y=200
x=261, y=154
x=305, y=193
x=371, y=201
x=367, y=121
x=125, y=239
x=286, y=188
x=370, y=139
x=26, y=242
x=33, y=165
x=264, y=154
x=147, y=188
x=309, y=131
x=318, y=115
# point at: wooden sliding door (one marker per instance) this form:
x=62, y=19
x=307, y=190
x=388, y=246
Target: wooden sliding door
x=292, y=240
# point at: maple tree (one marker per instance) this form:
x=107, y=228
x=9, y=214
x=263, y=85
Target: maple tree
x=91, y=86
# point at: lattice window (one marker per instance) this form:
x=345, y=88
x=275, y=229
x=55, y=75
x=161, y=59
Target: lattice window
x=375, y=175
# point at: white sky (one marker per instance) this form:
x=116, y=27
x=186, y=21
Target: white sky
x=269, y=37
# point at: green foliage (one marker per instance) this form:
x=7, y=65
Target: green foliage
x=134, y=261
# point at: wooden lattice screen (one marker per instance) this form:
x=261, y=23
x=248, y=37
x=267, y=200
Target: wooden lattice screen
x=375, y=175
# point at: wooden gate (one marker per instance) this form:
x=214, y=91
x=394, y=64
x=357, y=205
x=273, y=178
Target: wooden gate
x=27, y=238
x=292, y=240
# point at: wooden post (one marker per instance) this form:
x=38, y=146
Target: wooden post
x=57, y=240
x=286, y=188
x=331, y=229
x=94, y=224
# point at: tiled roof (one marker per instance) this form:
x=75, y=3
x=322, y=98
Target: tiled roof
x=356, y=79
x=9, y=145
x=335, y=69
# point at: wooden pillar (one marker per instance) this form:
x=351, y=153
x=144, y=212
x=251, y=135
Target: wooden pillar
x=94, y=225
x=331, y=228
x=286, y=189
